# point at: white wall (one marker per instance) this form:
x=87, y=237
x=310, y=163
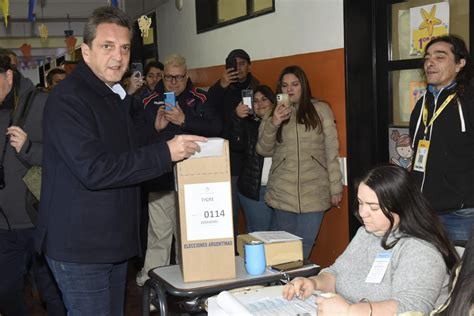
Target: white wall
x=296, y=27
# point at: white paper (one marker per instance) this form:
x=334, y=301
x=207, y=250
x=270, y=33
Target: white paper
x=267, y=301
x=274, y=236
x=230, y=305
x=208, y=210
x=214, y=147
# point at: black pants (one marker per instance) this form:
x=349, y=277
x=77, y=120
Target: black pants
x=17, y=255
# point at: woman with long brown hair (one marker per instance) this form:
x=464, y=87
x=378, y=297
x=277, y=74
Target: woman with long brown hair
x=301, y=137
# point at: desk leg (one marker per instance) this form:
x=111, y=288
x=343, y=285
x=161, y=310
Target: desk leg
x=161, y=296
x=146, y=299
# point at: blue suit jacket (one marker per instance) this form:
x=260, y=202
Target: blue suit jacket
x=93, y=163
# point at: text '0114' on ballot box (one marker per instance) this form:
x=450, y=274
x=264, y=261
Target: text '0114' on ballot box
x=205, y=213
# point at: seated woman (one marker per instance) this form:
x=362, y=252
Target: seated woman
x=399, y=261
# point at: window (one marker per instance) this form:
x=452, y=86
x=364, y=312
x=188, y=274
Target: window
x=212, y=14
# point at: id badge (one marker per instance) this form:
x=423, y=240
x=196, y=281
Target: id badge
x=421, y=155
x=379, y=267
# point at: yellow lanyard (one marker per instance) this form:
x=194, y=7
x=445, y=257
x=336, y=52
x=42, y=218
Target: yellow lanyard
x=436, y=114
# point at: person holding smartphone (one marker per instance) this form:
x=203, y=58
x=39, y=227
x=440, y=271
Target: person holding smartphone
x=253, y=176
x=226, y=94
x=301, y=138
x=143, y=86
x=181, y=109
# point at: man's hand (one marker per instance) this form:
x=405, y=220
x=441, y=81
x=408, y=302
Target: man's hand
x=175, y=115
x=160, y=121
x=17, y=136
x=183, y=146
x=229, y=76
x=242, y=110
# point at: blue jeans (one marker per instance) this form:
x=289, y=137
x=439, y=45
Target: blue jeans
x=304, y=225
x=459, y=224
x=91, y=288
x=259, y=216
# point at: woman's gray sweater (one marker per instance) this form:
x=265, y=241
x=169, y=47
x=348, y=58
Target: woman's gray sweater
x=416, y=278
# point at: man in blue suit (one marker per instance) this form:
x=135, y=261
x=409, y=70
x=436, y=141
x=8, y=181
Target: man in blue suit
x=94, y=157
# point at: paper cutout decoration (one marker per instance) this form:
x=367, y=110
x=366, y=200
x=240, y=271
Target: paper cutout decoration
x=31, y=9
x=144, y=23
x=26, y=51
x=71, y=43
x=426, y=23
x=6, y=11
x=43, y=32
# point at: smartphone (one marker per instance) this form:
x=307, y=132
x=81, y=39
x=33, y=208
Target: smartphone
x=231, y=63
x=288, y=266
x=134, y=67
x=283, y=98
x=170, y=100
x=247, y=98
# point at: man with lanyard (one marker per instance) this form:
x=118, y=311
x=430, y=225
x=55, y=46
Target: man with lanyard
x=442, y=131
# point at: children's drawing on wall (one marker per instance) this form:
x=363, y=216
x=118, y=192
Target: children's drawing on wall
x=427, y=22
x=417, y=88
x=400, y=147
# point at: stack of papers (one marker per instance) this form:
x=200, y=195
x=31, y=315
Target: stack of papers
x=274, y=236
x=260, y=302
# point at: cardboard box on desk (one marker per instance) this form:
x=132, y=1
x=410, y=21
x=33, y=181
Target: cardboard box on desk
x=275, y=253
x=205, y=214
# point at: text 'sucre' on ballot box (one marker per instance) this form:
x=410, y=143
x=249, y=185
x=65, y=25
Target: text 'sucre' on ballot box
x=205, y=213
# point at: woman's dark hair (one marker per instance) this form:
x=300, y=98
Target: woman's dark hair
x=106, y=14
x=398, y=195
x=462, y=297
x=459, y=49
x=306, y=113
x=267, y=92
x=153, y=64
x=5, y=64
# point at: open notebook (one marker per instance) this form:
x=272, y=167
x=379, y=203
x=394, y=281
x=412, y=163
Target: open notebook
x=262, y=301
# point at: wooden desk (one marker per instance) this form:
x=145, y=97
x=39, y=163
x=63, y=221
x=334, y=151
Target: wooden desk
x=169, y=279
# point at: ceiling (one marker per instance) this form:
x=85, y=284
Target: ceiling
x=54, y=9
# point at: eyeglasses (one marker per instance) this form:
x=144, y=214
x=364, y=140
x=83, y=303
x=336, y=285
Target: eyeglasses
x=170, y=78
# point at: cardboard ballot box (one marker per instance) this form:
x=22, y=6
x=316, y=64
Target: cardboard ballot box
x=205, y=213
x=276, y=252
